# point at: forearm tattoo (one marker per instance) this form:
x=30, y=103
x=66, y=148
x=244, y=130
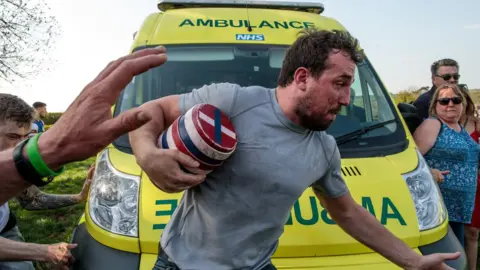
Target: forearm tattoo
x=34, y=199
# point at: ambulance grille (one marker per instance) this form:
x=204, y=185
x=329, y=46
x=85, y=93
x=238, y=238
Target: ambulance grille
x=350, y=171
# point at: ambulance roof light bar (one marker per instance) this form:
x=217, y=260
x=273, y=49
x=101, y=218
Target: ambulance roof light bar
x=303, y=5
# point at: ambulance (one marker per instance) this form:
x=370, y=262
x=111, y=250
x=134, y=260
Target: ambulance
x=244, y=42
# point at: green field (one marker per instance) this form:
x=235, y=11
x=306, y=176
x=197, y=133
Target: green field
x=53, y=226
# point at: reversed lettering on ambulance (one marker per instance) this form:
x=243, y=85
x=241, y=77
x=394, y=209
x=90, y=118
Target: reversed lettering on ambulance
x=315, y=214
x=244, y=24
x=252, y=37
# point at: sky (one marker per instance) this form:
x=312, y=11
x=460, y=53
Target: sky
x=402, y=38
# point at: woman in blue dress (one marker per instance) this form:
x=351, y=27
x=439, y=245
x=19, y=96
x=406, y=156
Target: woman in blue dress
x=447, y=146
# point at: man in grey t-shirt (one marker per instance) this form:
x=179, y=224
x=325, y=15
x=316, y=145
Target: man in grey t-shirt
x=233, y=217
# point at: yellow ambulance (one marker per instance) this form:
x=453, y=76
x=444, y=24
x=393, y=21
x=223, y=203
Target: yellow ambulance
x=244, y=42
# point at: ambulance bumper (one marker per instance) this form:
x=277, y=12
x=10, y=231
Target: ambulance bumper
x=90, y=255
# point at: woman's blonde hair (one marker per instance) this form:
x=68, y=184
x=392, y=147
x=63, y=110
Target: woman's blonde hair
x=433, y=104
x=470, y=108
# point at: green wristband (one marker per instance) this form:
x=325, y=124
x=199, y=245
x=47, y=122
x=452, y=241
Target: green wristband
x=37, y=161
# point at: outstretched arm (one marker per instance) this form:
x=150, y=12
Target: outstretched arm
x=19, y=251
x=58, y=254
x=355, y=220
x=34, y=199
x=87, y=126
x=347, y=214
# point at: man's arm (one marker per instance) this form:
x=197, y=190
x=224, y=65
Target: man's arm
x=334, y=195
x=355, y=220
x=69, y=140
x=162, y=166
x=57, y=254
x=19, y=251
x=166, y=110
x=34, y=199
x=14, y=183
x=365, y=228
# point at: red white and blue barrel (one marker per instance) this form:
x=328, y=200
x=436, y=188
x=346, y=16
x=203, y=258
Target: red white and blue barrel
x=205, y=133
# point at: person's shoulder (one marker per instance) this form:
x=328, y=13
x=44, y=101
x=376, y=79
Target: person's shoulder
x=328, y=142
x=254, y=89
x=432, y=120
x=216, y=88
x=252, y=96
x=430, y=124
x=34, y=126
x=424, y=97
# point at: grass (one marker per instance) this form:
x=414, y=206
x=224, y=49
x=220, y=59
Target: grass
x=53, y=226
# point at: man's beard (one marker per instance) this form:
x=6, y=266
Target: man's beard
x=308, y=121
x=315, y=124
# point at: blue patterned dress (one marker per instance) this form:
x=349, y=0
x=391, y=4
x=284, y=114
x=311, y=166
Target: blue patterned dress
x=458, y=153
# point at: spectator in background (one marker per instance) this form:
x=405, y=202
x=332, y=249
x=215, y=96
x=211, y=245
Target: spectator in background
x=16, y=118
x=353, y=110
x=38, y=124
x=443, y=71
x=446, y=145
x=471, y=123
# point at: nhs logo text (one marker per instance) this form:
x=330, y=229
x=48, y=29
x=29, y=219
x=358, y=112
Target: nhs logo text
x=253, y=37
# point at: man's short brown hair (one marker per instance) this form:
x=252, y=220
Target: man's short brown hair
x=13, y=108
x=39, y=104
x=441, y=63
x=312, y=49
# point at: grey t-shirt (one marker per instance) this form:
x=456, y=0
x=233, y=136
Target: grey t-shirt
x=4, y=215
x=233, y=220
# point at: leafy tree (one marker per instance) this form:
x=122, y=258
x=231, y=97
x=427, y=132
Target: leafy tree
x=27, y=34
x=404, y=97
x=52, y=117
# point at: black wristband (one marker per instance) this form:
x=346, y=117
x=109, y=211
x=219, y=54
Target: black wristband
x=25, y=168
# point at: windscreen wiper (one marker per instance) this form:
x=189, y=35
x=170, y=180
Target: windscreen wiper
x=357, y=133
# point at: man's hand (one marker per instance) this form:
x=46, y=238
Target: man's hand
x=87, y=126
x=438, y=175
x=163, y=166
x=82, y=196
x=59, y=255
x=435, y=261
x=365, y=228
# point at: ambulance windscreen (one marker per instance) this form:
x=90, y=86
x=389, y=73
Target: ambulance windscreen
x=193, y=66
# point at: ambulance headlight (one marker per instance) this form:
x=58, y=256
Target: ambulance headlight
x=429, y=205
x=113, y=198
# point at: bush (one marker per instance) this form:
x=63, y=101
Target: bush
x=52, y=117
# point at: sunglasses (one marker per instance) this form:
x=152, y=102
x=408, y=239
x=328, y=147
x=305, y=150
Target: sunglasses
x=447, y=77
x=446, y=101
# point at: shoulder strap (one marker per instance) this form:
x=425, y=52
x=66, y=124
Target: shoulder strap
x=441, y=124
x=465, y=123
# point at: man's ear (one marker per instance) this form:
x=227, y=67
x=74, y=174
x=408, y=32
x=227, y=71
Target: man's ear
x=300, y=78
